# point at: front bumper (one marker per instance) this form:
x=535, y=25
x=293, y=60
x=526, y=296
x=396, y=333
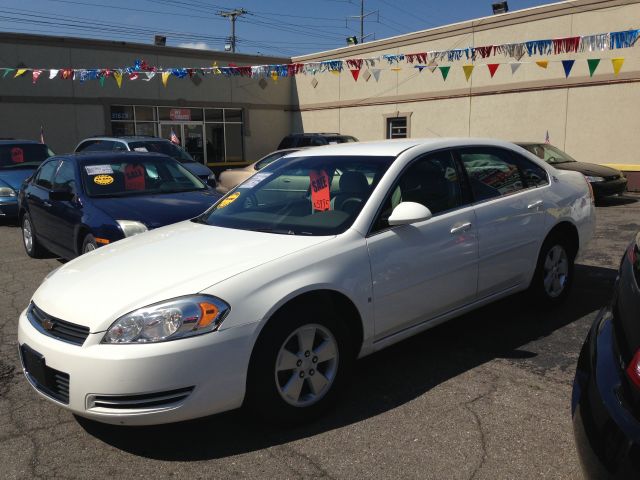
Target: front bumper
x=609, y=187
x=106, y=382
x=8, y=207
x=607, y=434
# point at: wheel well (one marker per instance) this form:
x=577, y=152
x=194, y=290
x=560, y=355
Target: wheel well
x=570, y=232
x=340, y=304
x=82, y=232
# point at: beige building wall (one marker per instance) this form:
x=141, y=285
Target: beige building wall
x=593, y=119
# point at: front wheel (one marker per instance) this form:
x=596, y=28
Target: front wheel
x=553, y=278
x=299, y=366
x=89, y=244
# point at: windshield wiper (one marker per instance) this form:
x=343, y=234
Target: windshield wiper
x=274, y=230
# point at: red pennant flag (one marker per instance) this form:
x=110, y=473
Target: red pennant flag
x=492, y=68
x=134, y=76
x=35, y=74
x=356, y=73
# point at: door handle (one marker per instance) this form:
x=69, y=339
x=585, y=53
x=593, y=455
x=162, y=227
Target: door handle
x=535, y=205
x=286, y=180
x=460, y=228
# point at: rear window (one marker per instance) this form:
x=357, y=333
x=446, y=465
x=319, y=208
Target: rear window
x=341, y=139
x=157, y=146
x=23, y=155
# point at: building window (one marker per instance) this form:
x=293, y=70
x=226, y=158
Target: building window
x=397, y=127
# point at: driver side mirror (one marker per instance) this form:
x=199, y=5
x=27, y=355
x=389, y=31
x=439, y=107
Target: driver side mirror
x=409, y=212
x=61, y=195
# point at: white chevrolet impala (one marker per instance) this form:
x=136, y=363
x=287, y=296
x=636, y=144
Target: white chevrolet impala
x=269, y=297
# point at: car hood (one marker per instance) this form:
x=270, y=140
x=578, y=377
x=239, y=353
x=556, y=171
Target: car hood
x=591, y=169
x=158, y=210
x=14, y=178
x=181, y=259
x=197, y=169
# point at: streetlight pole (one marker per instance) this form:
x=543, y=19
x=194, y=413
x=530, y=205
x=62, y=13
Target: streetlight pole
x=361, y=17
x=233, y=14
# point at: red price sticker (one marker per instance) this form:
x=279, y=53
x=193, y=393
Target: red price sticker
x=17, y=155
x=320, y=194
x=134, y=177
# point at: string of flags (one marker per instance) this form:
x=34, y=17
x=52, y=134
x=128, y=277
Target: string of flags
x=430, y=60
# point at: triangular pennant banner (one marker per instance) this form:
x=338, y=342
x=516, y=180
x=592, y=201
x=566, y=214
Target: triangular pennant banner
x=567, y=65
x=376, y=73
x=53, y=73
x=445, y=72
x=432, y=67
x=493, y=67
x=355, y=72
x=468, y=69
x=102, y=81
x=617, y=65
x=20, y=72
x=150, y=75
x=593, y=64
x=134, y=76
x=7, y=71
x=274, y=76
x=165, y=78
x=118, y=76
x=514, y=67
x=35, y=75
x=542, y=63
x=396, y=69
x=420, y=68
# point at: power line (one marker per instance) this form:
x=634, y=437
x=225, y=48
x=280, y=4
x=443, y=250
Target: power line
x=233, y=15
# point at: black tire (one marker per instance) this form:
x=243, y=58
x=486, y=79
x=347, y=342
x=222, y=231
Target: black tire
x=263, y=397
x=88, y=244
x=540, y=292
x=33, y=247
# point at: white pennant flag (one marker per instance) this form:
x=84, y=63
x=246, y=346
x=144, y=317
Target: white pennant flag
x=53, y=74
x=150, y=75
x=376, y=73
x=514, y=67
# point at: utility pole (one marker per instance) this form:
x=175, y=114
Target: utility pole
x=233, y=14
x=361, y=17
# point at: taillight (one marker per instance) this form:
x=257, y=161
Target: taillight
x=633, y=370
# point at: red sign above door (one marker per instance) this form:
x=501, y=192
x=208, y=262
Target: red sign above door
x=180, y=114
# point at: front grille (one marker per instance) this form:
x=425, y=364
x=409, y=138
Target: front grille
x=54, y=327
x=612, y=177
x=49, y=381
x=137, y=402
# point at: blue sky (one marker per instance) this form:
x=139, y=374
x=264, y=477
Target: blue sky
x=272, y=27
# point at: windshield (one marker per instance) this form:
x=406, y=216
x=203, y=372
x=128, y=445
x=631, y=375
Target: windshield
x=260, y=164
x=23, y=155
x=301, y=196
x=137, y=176
x=548, y=153
x=158, y=146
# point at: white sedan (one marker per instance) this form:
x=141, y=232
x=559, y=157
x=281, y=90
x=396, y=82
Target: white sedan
x=269, y=297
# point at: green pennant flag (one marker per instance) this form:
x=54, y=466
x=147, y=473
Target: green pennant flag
x=102, y=81
x=7, y=71
x=593, y=64
x=444, y=71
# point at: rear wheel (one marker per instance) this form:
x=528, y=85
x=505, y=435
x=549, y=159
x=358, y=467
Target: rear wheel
x=29, y=239
x=299, y=366
x=553, y=278
x=89, y=244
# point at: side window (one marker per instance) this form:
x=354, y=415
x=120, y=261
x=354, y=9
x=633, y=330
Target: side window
x=534, y=175
x=431, y=181
x=96, y=146
x=119, y=147
x=305, y=142
x=65, y=179
x=287, y=142
x=46, y=173
x=491, y=172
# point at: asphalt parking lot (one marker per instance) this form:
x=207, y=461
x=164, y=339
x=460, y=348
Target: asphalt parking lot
x=483, y=396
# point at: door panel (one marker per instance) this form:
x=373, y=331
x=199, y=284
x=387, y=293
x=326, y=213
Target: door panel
x=66, y=214
x=39, y=203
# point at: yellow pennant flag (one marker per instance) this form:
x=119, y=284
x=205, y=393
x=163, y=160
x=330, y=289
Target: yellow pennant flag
x=274, y=76
x=543, y=63
x=165, y=78
x=118, y=76
x=468, y=69
x=617, y=65
x=335, y=72
x=20, y=72
x=396, y=69
x=214, y=69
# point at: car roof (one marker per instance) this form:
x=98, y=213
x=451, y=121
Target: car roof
x=17, y=140
x=388, y=148
x=125, y=139
x=94, y=157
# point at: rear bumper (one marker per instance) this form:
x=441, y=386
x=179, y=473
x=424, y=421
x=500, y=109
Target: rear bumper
x=611, y=187
x=607, y=434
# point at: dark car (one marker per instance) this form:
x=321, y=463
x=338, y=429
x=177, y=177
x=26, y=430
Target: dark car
x=18, y=160
x=604, y=180
x=76, y=203
x=297, y=140
x=606, y=389
x=148, y=144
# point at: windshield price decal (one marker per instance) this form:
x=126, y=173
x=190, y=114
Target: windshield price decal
x=320, y=195
x=103, y=179
x=134, y=177
x=254, y=180
x=17, y=155
x=229, y=200
x=99, y=169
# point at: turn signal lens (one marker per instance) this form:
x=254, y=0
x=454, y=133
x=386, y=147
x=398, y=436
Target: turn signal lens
x=633, y=370
x=209, y=314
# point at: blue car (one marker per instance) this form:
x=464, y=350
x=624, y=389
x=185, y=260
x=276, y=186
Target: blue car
x=18, y=160
x=76, y=203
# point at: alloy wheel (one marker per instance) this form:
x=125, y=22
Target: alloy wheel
x=27, y=234
x=556, y=271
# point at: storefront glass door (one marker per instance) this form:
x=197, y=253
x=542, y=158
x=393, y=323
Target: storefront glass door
x=190, y=137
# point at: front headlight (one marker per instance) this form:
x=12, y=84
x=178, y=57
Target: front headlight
x=594, y=179
x=170, y=320
x=7, y=192
x=131, y=227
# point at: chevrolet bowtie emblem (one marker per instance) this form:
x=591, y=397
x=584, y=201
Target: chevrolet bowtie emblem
x=47, y=324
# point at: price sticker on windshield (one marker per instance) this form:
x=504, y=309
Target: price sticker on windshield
x=99, y=170
x=17, y=155
x=320, y=194
x=254, y=180
x=228, y=201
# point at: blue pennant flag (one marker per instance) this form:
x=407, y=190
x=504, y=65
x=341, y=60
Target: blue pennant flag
x=567, y=65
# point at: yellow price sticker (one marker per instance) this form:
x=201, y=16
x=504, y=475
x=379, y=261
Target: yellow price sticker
x=229, y=200
x=103, y=179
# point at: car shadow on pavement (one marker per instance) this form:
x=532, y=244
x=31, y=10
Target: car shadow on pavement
x=615, y=201
x=385, y=380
